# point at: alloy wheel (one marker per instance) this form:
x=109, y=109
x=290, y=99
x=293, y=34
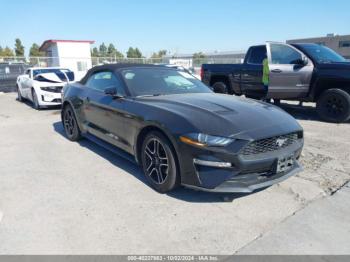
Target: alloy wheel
x=334, y=106
x=156, y=159
x=35, y=100
x=69, y=122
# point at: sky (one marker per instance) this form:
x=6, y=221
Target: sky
x=179, y=26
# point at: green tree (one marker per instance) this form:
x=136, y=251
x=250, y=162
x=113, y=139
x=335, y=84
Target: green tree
x=199, y=55
x=199, y=58
x=1, y=50
x=103, y=50
x=19, y=48
x=7, y=52
x=134, y=53
x=130, y=53
x=34, y=51
x=159, y=54
x=138, y=53
x=111, y=51
x=95, y=52
x=119, y=54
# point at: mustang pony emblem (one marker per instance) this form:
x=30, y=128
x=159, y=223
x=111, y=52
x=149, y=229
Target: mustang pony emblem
x=281, y=141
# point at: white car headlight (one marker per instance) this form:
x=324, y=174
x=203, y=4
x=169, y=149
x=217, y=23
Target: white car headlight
x=203, y=140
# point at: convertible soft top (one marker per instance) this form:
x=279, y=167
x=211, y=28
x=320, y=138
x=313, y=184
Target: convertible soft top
x=114, y=67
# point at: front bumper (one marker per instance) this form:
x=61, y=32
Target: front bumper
x=226, y=170
x=49, y=98
x=251, y=182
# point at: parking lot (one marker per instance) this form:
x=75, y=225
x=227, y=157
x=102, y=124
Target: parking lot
x=59, y=197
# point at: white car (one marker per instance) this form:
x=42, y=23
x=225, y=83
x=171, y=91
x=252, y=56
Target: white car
x=43, y=86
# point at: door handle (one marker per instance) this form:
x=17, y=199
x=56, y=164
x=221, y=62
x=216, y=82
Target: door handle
x=276, y=71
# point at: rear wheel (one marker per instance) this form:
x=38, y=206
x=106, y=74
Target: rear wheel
x=70, y=124
x=35, y=100
x=158, y=162
x=221, y=87
x=334, y=106
x=277, y=102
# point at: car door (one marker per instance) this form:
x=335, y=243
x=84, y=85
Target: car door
x=290, y=72
x=251, y=74
x=104, y=114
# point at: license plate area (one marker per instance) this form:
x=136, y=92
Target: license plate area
x=284, y=164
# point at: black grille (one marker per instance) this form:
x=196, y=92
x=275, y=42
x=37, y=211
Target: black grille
x=270, y=144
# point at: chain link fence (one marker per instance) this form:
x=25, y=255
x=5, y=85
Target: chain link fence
x=11, y=67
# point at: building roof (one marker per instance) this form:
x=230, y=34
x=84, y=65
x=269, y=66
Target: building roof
x=47, y=43
x=320, y=38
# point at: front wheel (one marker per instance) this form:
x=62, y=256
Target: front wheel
x=19, y=95
x=334, y=106
x=158, y=163
x=35, y=100
x=70, y=124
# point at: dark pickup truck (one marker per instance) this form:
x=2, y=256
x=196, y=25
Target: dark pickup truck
x=303, y=72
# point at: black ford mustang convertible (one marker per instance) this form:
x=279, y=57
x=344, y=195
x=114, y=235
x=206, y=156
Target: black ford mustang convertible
x=180, y=132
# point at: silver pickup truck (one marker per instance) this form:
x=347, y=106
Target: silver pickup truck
x=303, y=72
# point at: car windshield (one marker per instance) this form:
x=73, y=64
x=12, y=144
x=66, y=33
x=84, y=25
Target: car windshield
x=159, y=81
x=60, y=72
x=323, y=54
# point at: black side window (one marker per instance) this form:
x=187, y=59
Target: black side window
x=103, y=80
x=257, y=55
x=284, y=55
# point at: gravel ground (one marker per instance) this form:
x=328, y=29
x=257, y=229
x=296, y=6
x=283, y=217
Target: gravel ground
x=59, y=197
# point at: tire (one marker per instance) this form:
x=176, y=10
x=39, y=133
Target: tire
x=35, y=100
x=334, y=106
x=221, y=87
x=19, y=95
x=70, y=124
x=159, y=162
x=277, y=102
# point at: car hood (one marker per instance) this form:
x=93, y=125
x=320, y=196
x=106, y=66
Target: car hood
x=229, y=116
x=336, y=66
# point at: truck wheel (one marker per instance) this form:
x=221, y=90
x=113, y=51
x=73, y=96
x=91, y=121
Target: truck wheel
x=277, y=102
x=221, y=88
x=334, y=106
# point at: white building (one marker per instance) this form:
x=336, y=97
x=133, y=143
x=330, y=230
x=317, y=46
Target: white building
x=71, y=54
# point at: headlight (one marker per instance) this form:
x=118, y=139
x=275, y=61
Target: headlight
x=54, y=89
x=206, y=140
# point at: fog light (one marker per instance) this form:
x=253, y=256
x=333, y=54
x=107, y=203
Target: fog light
x=212, y=163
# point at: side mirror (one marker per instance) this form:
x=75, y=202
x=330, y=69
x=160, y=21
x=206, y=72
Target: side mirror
x=112, y=91
x=302, y=61
x=305, y=60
